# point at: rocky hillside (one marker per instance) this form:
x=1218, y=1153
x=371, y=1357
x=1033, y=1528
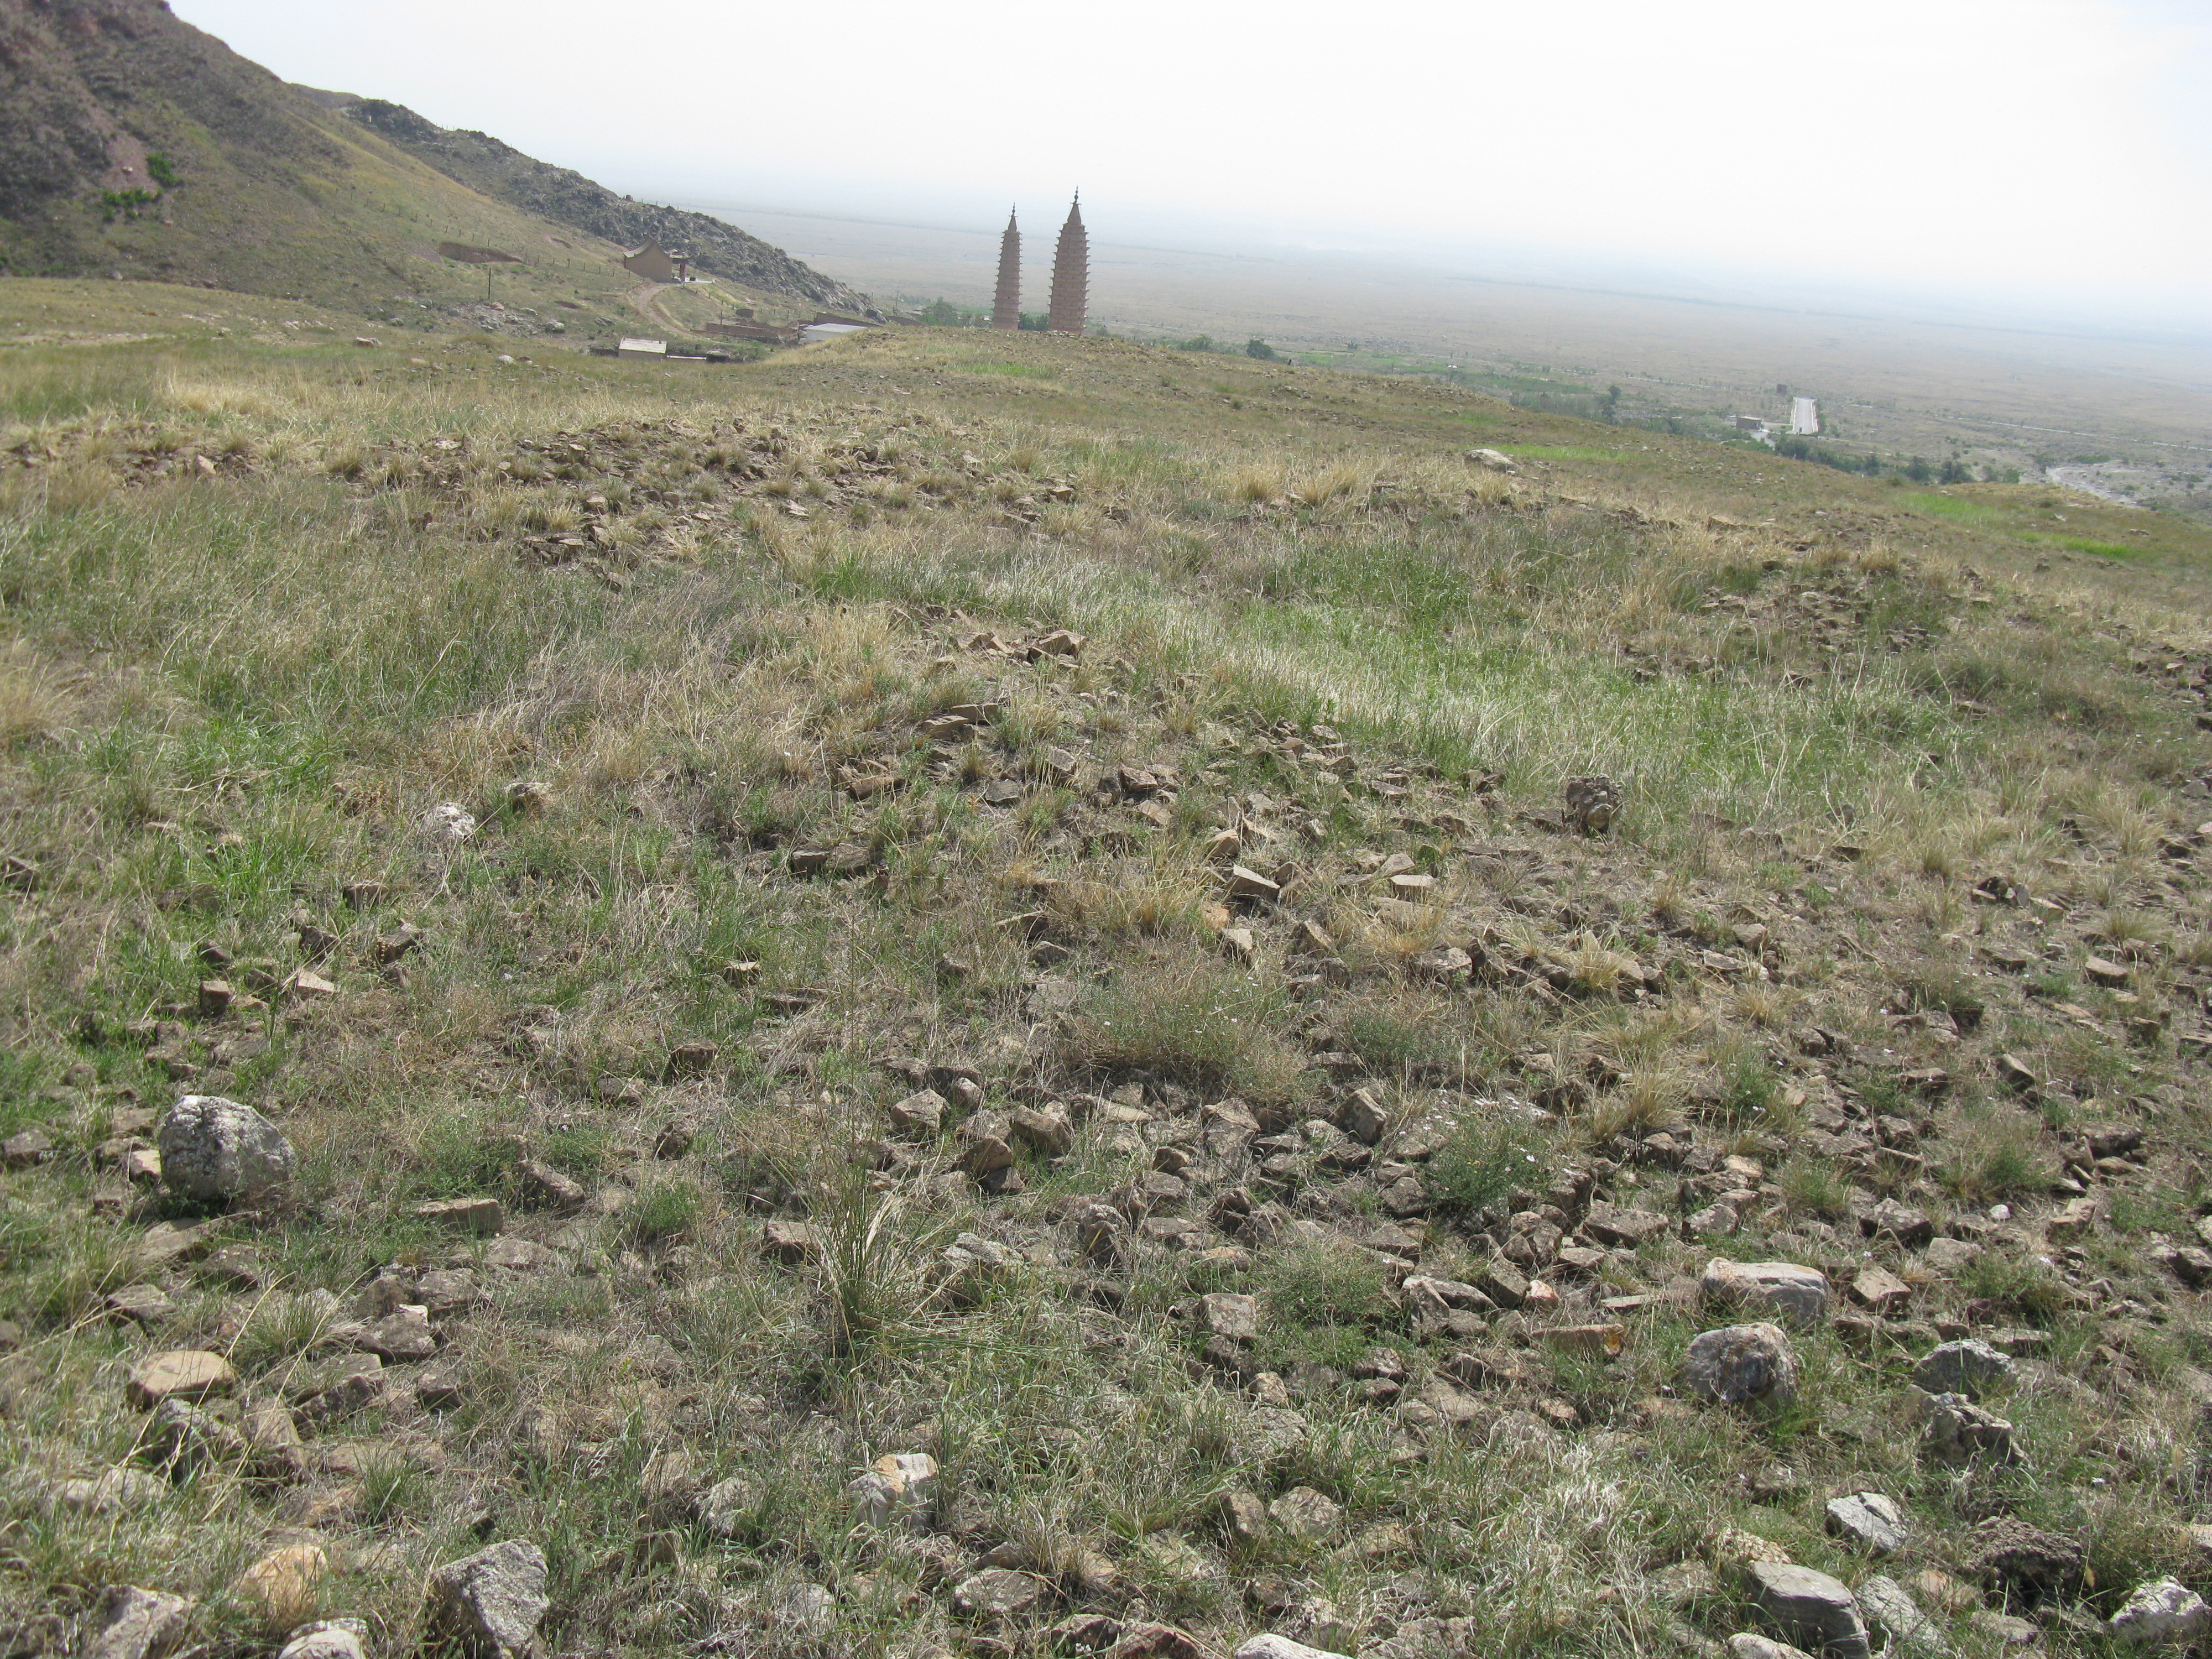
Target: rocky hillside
x=134, y=144
x=565, y=196
x=1077, y=1002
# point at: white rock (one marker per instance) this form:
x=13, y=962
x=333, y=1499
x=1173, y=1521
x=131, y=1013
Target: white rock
x=1810, y=1606
x=218, y=1150
x=1280, y=1647
x=327, y=1638
x=810, y=1609
x=895, y=1484
x=2167, y=1611
x=448, y=821
x=136, y=1623
x=1874, y=1520
x=1744, y=1646
x=1798, y=1294
x=728, y=1507
x=1891, y=1612
x=493, y=1600
x=1970, y=1368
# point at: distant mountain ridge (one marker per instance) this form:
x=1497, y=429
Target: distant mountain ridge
x=565, y=196
x=133, y=144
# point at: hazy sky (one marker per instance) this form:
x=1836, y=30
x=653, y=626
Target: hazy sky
x=2056, y=152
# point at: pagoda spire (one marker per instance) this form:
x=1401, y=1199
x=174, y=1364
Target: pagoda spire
x=1007, y=306
x=1071, y=274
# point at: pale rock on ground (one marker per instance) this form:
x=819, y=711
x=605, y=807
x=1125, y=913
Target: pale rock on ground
x=1954, y=1430
x=808, y=1608
x=1811, y=1607
x=1967, y=1368
x=1799, y=1294
x=1304, y=1513
x=1891, y=1612
x=178, y=1374
x=2167, y=1611
x=328, y=1638
x=1745, y=1645
x=1280, y=1647
x=1743, y=1366
x=728, y=1506
x=897, y=1482
x=998, y=1592
x=218, y=1152
x=1870, y=1519
x=492, y=1601
x=137, y=1624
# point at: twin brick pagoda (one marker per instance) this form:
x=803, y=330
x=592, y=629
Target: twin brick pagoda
x=1071, y=277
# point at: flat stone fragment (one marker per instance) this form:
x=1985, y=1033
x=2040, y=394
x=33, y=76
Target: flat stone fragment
x=1870, y=1519
x=180, y=1374
x=145, y=1304
x=1878, y=1288
x=1744, y=1646
x=218, y=1152
x=1245, y=883
x=1968, y=1367
x=998, y=1592
x=403, y=1335
x=1956, y=1431
x=1808, y=1607
x=117, y=1490
x=328, y=1638
x=1798, y=1294
x=728, y=1507
x=1950, y=1255
x=1626, y=1228
x=1280, y=1647
x=1304, y=1513
x=164, y=1243
x=1891, y=1613
x=283, y=1585
x=1743, y=1366
x=493, y=1600
x=1237, y=1317
x=919, y=1116
x=136, y=1623
x=2167, y=1611
x=480, y=1216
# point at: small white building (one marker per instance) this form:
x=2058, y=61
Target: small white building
x=643, y=349
x=816, y=333
x=1804, y=418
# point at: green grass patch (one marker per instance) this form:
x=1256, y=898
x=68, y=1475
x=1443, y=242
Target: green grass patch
x=2083, y=545
x=1958, y=511
x=1014, y=371
x=1562, y=452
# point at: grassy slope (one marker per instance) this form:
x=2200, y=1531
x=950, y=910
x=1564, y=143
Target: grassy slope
x=231, y=690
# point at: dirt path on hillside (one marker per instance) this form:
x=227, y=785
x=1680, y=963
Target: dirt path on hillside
x=645, y=299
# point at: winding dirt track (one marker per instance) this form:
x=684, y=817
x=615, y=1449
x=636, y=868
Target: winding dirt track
x=645, y=299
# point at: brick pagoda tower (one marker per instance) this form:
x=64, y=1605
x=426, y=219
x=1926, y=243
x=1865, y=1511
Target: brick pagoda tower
x=1071, y=274
x=1006, y=307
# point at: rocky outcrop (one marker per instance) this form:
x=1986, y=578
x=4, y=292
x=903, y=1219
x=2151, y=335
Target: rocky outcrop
x=505, y=173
